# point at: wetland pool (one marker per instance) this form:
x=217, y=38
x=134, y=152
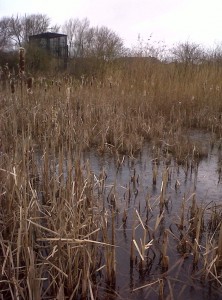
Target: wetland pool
x=128, y=190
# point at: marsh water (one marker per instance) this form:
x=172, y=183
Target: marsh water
x=130, y=191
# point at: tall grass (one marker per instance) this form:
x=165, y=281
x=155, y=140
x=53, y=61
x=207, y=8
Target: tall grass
x=55, y=239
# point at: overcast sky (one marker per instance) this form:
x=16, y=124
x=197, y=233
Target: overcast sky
x=170, y=21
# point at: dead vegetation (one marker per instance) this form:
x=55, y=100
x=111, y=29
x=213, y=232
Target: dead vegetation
x=58, y=227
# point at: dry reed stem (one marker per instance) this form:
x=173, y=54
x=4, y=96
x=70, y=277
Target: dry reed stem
x=132, y=252
x=219, y=249
x=165, y=258
x=49, y=215
x=146, y=285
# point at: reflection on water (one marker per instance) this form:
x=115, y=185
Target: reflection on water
x=130, y=183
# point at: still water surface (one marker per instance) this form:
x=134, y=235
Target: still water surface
x=130, y=182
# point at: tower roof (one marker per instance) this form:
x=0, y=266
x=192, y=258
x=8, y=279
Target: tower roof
x=49, y=35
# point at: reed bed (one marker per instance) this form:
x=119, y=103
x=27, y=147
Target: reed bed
x=58, y=219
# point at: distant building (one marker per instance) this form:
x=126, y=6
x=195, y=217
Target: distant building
x=54, y=43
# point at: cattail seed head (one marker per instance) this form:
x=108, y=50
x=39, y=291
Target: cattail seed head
x=4, y=75
x=12, y=85
x=29, y=82
x=68, y=93
x=21, y=61
x=6, y=72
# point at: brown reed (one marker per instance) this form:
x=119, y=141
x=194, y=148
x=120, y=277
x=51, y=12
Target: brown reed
x=56, y=235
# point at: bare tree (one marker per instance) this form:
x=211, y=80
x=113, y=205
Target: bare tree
x=77, y=33
x=187, y=53
x=106, y=44
x=85, y=41
x=89, y=41
x=16, y=30
x=34, y=24
x=70, y=28
x=214, y=55
x=80, y=38
x=4, y=33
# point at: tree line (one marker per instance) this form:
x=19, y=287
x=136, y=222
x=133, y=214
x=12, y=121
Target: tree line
x=83, y=39
x=86, y=41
